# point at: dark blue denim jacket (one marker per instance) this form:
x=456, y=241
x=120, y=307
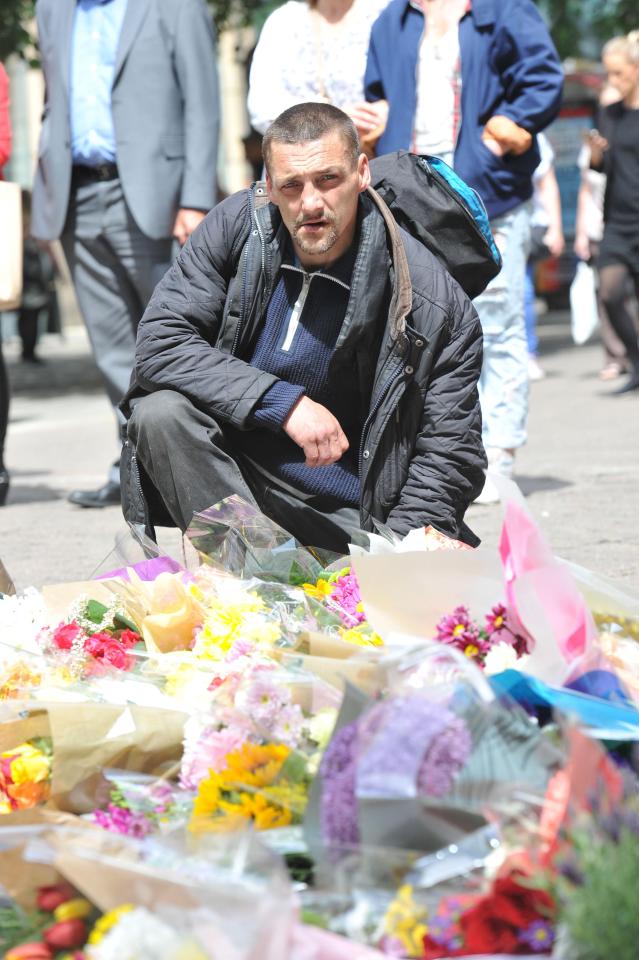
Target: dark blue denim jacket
x=509, y=67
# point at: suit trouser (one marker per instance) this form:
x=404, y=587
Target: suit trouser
x=115, y=269
x=190, y=461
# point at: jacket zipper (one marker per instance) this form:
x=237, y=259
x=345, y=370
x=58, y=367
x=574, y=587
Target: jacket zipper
x=373, y=412
x=294, y=322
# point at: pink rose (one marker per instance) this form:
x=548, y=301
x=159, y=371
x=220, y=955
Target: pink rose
x=65, y=634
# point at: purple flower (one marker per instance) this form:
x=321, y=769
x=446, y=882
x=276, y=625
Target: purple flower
x=338, y=804
x=120, y=820
x=288, y=724
x=539, y=936
x=444, y=759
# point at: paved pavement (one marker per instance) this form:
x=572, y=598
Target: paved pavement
x=579, y=470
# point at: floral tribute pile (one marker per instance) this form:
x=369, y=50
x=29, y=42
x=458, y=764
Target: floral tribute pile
x=177, y=719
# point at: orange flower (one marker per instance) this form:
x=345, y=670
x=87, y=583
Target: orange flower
x=28, y=795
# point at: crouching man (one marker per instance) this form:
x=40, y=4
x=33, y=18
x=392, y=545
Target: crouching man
x=306, y=353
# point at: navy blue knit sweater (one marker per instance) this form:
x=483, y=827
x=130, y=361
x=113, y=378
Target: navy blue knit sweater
x=302, y=324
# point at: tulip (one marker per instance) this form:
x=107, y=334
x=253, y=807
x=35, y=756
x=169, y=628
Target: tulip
x=29, y=951
x=66, y=935
x=76, y=909
x=49, y=898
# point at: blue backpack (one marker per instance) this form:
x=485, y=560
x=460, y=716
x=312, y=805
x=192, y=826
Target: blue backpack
x=429, y=200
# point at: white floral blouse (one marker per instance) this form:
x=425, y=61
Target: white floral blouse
x=295, y=61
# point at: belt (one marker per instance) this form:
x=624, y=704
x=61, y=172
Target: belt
x=86, y=174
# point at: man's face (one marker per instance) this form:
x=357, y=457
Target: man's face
x=316, y=187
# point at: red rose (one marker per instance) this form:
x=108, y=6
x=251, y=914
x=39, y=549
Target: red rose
x=129, y=638
x=51, y=897
x=65, y=634
x=66, y=934
x=494, y=924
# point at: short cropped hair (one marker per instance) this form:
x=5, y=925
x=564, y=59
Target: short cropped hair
x=311, y=121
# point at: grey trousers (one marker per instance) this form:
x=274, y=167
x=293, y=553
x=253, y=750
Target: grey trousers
x=190, y=461
x=114, y=268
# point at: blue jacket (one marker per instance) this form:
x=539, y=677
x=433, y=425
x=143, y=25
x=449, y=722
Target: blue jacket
x=509, y=67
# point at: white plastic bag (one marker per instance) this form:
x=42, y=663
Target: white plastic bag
x=584, y=316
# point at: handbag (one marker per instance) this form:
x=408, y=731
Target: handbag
x=584, y=314
x=10, y=245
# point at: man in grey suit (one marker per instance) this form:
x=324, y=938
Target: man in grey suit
x=126, y=162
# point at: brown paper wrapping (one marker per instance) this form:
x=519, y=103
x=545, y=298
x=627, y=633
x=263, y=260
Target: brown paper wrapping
x=58, y=597
x=6, y=583
x=20, y=878
x=364, y=674
x=89, y=737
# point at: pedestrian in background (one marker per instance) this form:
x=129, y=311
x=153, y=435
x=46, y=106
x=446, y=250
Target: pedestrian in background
x=37, y=281
x=547, y=240
x=474, y=84
x=5, y=153
x=126, y=162
x=315, y=51
x=614, y=150
x=588, y=234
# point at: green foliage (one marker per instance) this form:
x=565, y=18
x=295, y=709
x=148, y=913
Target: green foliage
x=14, y=18
x=241, y=13
x=601, y=915
x=574, y=23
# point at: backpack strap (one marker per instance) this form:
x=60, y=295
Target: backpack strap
x=402, y=298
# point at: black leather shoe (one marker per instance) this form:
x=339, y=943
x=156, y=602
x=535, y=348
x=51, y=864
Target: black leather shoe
x=106, y=496
x=629, y=385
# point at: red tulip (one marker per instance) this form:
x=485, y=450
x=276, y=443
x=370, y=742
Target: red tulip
x=29, y=951
x=66, y=934
x=51, y=897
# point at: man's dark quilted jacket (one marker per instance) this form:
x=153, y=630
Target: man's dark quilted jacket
x=409, y=328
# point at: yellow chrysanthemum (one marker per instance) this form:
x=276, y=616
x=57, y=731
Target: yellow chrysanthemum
x=320, y=590
x=107, y=921
x=405, y=921
x=362, y=636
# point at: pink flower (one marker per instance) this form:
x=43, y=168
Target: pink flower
x=347, y=597
x=499, y=630
x=262, y=699
x=208, y=753
x=105, y=648
x=288, y=724
x=65, y=634
x=129, y=638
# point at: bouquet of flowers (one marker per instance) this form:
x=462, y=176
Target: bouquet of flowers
x=252, y=759
x=59, y=923
x=96, y=636
x=25, y=775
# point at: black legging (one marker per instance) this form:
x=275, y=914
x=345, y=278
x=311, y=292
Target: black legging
x=613, y=290
x=4, y=404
